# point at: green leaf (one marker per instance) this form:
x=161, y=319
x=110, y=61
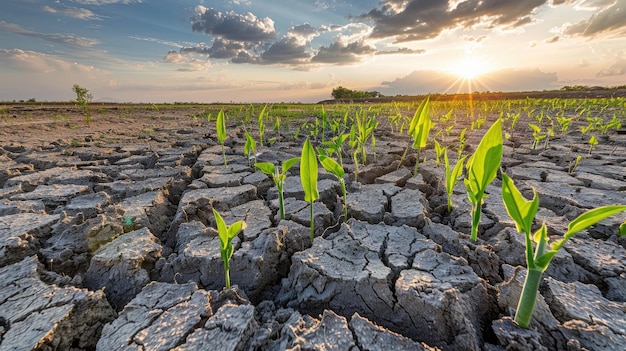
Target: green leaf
x=265, y=167
x=421, y=126
x=220, y=126
x=622, y=229
x=287, y=164
x=418, y=115
x=522, y=211
x=593, y=140
x=309, y=172
x=250, y=144
x=592, y=217
x=235, y=228
x=332, y=166
x=483, y=165
x=535, y=128
x=222, y=230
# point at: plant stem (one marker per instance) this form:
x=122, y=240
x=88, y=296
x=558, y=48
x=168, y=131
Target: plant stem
x=227, y=274
x=526, y=304
x=281, y=203
x=404, y=155
x=312, y=224
x=417, y=162
x=475, y=219
x=345, y=198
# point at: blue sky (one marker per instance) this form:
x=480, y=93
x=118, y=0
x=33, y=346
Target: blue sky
x=274, y=50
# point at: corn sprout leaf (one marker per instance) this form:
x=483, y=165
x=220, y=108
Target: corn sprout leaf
x=221, y=127
x=322, y=151
x=592, y=217
x=265, y=167
x=522, y=211
x=534, y=127
x=308, y=172
x=331, y=166
x=222, y=230
x=484, y=163
x=418, y=115
x=287, y=164
x=235, y=228
x=622, y=229
x=250, y=144
x=451, y=177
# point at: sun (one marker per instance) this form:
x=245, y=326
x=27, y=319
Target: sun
x=470, y=68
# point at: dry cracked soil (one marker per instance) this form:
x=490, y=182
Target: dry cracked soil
x=107, y=242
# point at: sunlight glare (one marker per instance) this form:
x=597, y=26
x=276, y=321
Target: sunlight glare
x=470, y=68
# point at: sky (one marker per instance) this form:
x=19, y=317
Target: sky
x=300, y=50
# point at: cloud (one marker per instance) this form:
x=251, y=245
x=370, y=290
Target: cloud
x=403, y=51
x=424, y=82
x=156, y=40
x=343, y=53
x=187, y=63
x=74, y=12
x=551, y=40
x=68, y=39
x=617, y=68
x=233, y=26
x=289, y=51
x=607, y=19
x=40, y=74
x=409, y=20
x=106, y=2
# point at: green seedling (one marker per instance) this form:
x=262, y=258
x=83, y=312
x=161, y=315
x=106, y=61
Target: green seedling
x=452, y=177
x=593, y=141
x=308, y=178
x=336, y=146
x=249, y=148
x=523, y=212
x=574, y=164
x=220, y=126
x=418, y=130
x=83, y=96
x=482, y=168
x=439, y=151
x=537, y=136
x=261, y=123
x=462, y=140
x=279, y=175
x=226, y=235
x=331, y=166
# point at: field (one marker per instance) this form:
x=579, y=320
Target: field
x=374, y=251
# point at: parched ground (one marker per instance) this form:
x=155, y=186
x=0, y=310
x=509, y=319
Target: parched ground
x=107, y=240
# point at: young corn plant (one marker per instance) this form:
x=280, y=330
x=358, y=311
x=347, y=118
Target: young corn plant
x=439, y=151
x=593, y=141
x=249, y=148
x=537, y=136
x=308, y=178
x=462, y=141
x=482, y=168
x=220, y=126
x=226, y=235
x=279, y=175
x=261, y=124
x=418, y=130
x=523, y=212
x=336, y=146
x=452, y=176
x=331, y=166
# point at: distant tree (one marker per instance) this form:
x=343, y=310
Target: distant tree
x=345, y=93
x=83, y=96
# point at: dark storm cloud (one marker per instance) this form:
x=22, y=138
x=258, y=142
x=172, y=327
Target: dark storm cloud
x=424, y=82
x=408, y=20
x=233, y=26
x=607, y=19
x=341, y=53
